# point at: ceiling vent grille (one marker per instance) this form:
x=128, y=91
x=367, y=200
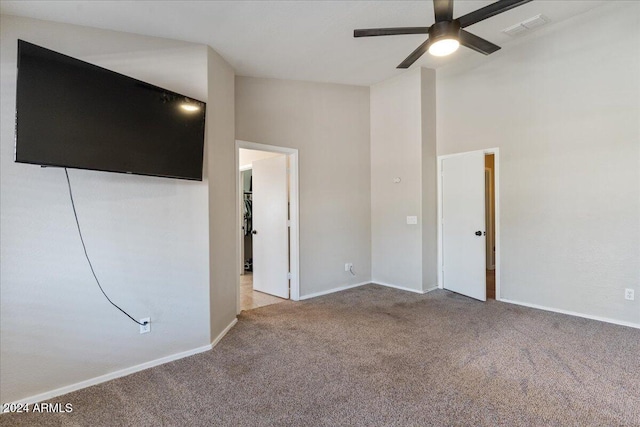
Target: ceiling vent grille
x=526, y=25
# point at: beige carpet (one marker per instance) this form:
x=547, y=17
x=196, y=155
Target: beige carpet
x=375, y=356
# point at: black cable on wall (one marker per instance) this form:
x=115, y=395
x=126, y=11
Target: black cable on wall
x=84, y=247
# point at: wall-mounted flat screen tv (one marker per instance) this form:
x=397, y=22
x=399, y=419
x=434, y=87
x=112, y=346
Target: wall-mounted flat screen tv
x=70, y=113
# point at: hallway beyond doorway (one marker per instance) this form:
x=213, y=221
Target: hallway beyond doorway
x=250, y=299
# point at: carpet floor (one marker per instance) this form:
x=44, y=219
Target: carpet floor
x=375, y=356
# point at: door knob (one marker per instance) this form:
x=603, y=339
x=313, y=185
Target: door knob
x=254, y=232
x=478, y=233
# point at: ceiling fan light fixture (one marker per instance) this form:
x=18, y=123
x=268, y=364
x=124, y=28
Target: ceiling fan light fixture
x=444, y=47
x=444, y=38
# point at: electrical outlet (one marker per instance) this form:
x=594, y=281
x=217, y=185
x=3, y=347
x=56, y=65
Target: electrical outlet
x=145, y=328
x=348, y=266
x=629, y=294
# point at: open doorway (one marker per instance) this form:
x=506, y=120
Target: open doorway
x=267, y=225
x=469, y=223
x=250, y=296
x=490, y=224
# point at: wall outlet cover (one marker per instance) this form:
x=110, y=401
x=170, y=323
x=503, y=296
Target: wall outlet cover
x=145, y=328
x=629, y=294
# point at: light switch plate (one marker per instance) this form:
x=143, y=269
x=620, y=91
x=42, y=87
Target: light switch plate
x=412, y=220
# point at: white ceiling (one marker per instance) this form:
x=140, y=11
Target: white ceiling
x=299, y=40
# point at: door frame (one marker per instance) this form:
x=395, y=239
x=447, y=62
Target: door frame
x=496, y=206
x=294, y=214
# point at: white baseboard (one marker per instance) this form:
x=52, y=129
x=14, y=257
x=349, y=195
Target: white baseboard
x=573, y=313
x=330, y=291
x=402, y=288
x=217, y=339
x=433, y=288
x=342, y=288
x=123, y=372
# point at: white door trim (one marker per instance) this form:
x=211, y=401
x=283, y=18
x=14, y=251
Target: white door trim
x=294, y=212
x=496, y=179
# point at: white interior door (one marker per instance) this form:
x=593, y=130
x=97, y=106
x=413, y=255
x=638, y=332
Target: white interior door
x=271, y=236
x=463, y=224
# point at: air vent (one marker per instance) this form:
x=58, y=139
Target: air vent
x=535, y=22
x=526, y=25
x=515, y=30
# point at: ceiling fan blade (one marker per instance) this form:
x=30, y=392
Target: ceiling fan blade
x=489, y=11
x=371, y=32
x=443, y=10
x=477, y=43
x=415, y=54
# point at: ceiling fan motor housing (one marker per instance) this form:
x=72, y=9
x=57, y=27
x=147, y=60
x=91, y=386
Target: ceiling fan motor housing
x=444, y=30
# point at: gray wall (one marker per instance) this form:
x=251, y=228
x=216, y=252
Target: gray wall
x=429, y=180
x=329, y=125
x=564, y=108
x=222, y=178
x=148, y=237
x=403, y=146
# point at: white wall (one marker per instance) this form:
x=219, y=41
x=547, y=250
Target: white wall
x=147, y=237
x=402, y=144
x=564, y=107
x=329, y=125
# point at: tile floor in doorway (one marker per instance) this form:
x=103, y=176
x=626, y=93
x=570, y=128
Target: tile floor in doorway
x=250, y=299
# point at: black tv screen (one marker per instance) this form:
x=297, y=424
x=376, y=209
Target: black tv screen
x=70, y=113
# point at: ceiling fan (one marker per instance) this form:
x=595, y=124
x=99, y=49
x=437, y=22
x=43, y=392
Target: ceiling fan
x=447, y=34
